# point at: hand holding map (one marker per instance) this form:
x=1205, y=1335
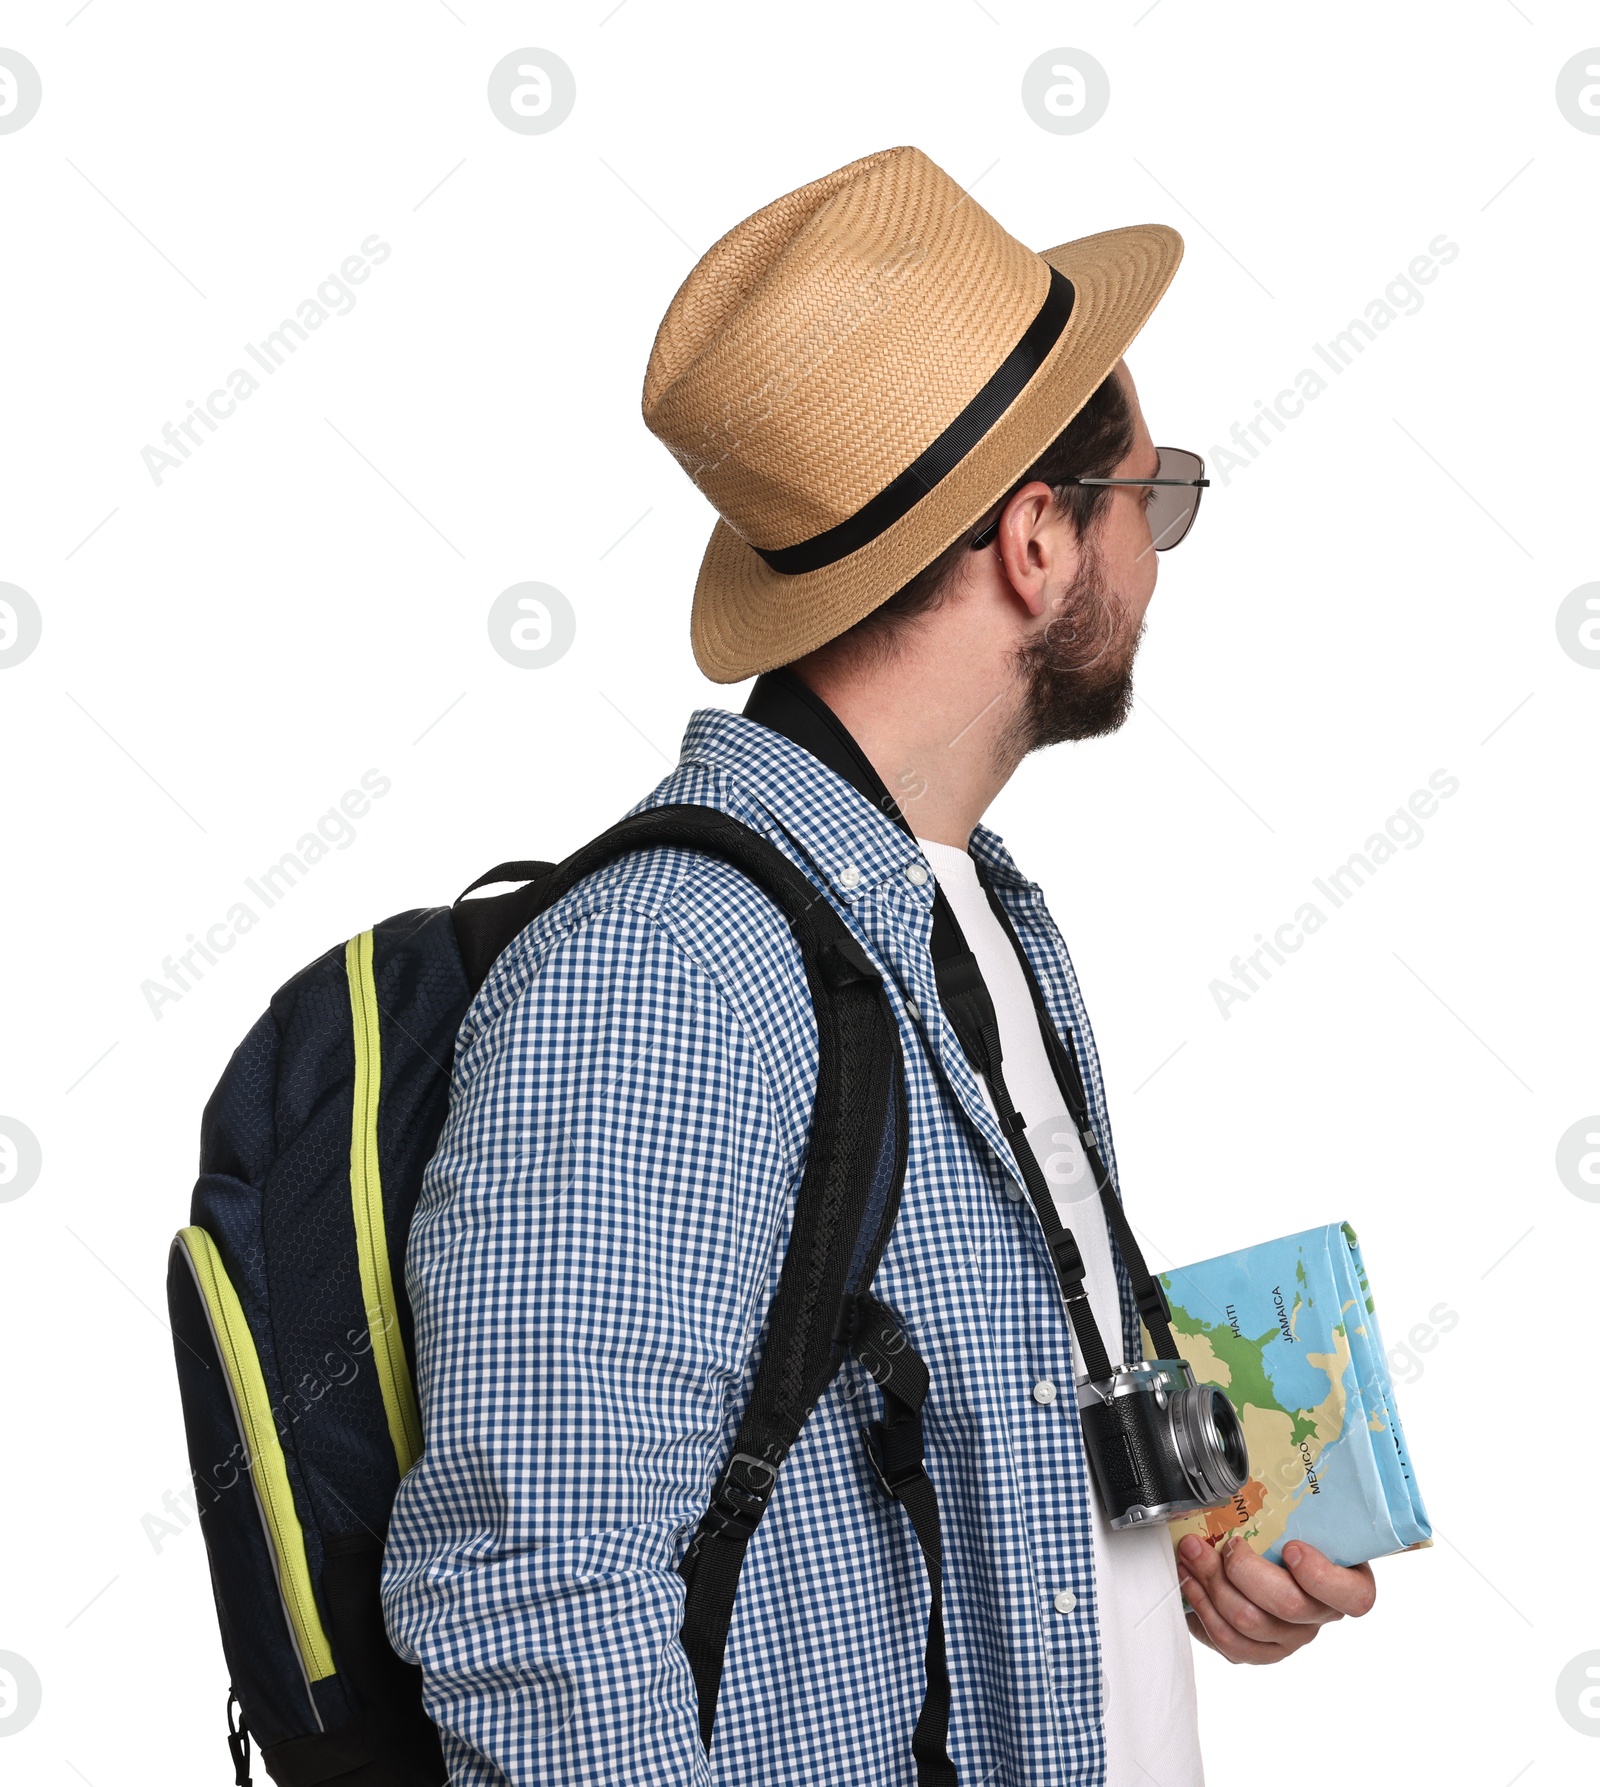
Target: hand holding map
x=1289, y=1330
x=1255, y=1612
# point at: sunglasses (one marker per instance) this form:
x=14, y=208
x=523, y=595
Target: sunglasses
x=1174, y=497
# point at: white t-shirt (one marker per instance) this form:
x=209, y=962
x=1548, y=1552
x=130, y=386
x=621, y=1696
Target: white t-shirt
x=1151, y=1723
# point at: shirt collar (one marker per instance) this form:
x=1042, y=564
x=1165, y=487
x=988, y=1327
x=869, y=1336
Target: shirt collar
x=988, y=851
x=849, y=845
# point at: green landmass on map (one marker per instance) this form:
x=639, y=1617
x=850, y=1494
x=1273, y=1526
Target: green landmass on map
x=1246, y=1380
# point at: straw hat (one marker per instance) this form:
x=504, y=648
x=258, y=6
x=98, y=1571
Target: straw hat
x=853, y=375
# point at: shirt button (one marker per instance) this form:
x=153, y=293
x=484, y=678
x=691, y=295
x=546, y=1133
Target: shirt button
x=1044, y=1392
x=916, y=874
x=849, y=876
x=1064, y=1600
x=1013, y=1191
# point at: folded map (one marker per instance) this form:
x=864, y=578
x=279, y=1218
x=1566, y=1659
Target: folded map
x=1288, y=1330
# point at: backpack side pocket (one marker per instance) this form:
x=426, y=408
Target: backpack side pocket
x=253, y=1533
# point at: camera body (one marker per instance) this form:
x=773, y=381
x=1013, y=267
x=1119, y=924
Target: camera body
x=1160, y=1444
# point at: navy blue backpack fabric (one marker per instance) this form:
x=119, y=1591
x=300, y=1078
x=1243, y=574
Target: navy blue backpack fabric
x=273, y=1193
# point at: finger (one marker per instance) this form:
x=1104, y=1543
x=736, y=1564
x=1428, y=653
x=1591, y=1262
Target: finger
x=1272, y=1588
x=1349, y=1590
x=1222, y=1636
x=1219, y=1633
x=1199, y=1559
x=1245, y=1614
x=1205, y=1563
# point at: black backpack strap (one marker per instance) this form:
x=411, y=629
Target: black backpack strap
x=846, y=1206
x=507, y=871
x=848, y=1198
x=895, y=1452
x=484, y=927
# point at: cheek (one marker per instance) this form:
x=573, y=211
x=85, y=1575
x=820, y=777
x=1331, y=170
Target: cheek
x=1131, y=562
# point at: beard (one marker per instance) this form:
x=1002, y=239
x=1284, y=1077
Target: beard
x=1077, y=675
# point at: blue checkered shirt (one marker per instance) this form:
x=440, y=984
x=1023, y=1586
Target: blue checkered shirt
x=597, y=1242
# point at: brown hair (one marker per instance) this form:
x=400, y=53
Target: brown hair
x=1092, y=445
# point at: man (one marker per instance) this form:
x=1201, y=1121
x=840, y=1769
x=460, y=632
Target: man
x=897, y=410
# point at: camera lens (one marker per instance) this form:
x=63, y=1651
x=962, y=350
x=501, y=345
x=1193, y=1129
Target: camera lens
x=1231, y=1434
x=1210, y=1442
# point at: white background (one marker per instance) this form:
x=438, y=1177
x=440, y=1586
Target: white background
x=226, y=652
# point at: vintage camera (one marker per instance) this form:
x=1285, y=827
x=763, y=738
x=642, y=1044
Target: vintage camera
x=1160, y=1444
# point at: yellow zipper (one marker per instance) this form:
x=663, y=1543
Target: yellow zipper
x=269, y=1477
x=366, y=1202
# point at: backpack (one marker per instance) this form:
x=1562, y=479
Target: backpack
x=293, y=1336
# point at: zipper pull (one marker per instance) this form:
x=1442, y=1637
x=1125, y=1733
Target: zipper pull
x=238, y=1743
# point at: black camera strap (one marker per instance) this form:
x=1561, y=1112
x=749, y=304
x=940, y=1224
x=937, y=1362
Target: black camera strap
x=1148, y=1295
x=971, y=1012
x=782, y=702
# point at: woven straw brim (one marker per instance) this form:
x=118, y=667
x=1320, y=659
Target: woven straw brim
x=749, y=618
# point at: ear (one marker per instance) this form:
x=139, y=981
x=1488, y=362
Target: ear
x=1038, y=546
